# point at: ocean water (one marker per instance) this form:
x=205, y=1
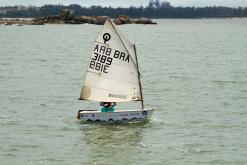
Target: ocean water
x=194, y=74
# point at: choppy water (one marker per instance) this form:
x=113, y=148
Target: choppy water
x=194, y=76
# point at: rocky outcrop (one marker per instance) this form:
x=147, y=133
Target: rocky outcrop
x=122, y=19
x=67, y=17
x=144, y=21
x=37, y=23
x=51, y=19
x=98, y=20
x=15, y=21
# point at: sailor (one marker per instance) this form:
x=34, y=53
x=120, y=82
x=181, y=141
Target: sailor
x=108, y=106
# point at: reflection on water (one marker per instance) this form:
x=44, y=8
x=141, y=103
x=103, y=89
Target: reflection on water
x=111, y=141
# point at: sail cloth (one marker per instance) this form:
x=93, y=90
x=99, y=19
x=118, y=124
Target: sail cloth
x=112, y=73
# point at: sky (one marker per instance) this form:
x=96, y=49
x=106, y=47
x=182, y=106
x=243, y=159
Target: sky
x=127, y=3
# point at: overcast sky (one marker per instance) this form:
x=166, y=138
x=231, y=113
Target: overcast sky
x=126, y=3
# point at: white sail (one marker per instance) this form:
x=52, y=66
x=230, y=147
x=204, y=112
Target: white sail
x=112, y=73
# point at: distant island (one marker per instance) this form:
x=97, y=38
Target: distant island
x=66, y=16
x=155, y=9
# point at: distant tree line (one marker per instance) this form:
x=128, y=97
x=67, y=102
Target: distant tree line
x=155, y=9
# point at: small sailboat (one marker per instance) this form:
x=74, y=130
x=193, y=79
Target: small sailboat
x=113, y=76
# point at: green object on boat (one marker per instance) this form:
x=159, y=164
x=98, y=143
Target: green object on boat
x=107, y=109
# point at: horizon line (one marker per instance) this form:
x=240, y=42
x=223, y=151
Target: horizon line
x=60, y=4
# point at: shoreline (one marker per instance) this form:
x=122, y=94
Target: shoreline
x=97, y=20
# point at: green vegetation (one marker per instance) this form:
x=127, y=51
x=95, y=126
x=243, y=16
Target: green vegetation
x=155, y=9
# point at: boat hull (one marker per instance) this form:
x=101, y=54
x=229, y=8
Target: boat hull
x=119, y=115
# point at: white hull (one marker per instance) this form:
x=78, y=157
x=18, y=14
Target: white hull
x=119, y=115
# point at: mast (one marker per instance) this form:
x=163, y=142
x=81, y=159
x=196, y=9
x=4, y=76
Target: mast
x=139, y=78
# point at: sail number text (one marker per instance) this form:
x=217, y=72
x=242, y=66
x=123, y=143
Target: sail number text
x=102, y=58
x=100, y=62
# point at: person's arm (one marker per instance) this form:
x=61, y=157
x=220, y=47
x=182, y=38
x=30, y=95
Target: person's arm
x=114, y=104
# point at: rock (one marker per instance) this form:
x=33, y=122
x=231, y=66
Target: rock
x=122, y=19
x=133, y=21
x=83, y=19
x=101, y=20
x=117, y=22
x=93, y=20
x=98, y=20
x=37, y=23
x=144, y=21
x=50, y=19
x=38, y=19
x=87, y=19
x=77, y=21
x=53, y=18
